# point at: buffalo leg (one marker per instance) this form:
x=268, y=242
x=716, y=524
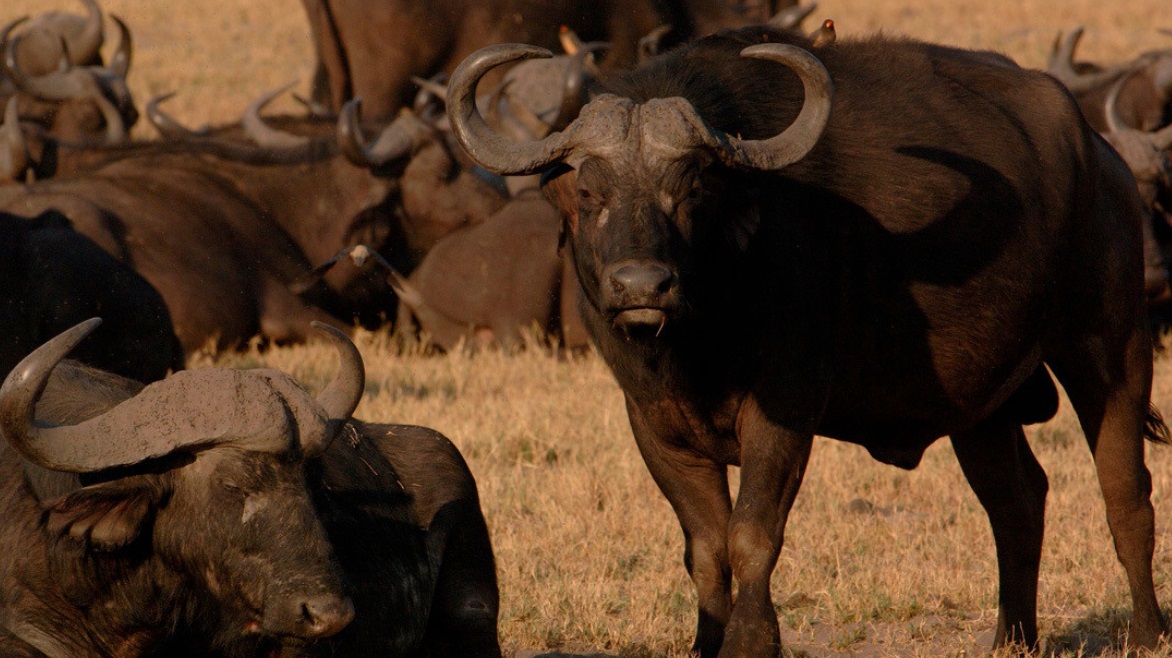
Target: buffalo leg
x=1111, y=398
x=1011, y=485
x=773, y=461
x=697, y=489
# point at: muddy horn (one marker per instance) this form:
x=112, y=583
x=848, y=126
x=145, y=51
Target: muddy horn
x=498, y=154
x=258, y=410
x=341, y=397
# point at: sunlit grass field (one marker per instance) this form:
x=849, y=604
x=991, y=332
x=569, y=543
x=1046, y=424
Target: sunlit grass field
x=877, y=562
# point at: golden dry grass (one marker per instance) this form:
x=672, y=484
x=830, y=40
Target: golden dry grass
x=878, y=561
x=589, y=553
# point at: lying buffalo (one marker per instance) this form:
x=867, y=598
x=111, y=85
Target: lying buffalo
x=221, y=230
x=887, y=243
x=494, y=283
x=228, y=512
x=52, y=277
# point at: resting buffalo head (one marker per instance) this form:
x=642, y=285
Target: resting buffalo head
x=201, y=478
x=645, y=188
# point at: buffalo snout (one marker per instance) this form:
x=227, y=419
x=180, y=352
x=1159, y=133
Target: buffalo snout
x=310, y=617
x=640, y=293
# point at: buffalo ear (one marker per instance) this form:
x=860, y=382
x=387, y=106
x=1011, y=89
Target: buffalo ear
x=105, y=517
x=560, y=187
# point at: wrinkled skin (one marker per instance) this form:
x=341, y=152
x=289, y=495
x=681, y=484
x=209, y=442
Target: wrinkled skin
x=389, y=516
x=112, y=564
x=222, y=239
x=357, y=59
x=493, y=282
x=53, y=278
x=906, y=280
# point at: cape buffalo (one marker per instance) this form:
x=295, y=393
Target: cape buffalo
x=52, y=277
x=55, y=91
x=493, y=282
x=222, y=238
x=905, y=254
x=370, y=50
x=216, y=513
x=1144, y=102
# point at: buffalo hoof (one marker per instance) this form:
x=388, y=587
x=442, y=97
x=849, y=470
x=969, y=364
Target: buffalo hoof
x=752, y=639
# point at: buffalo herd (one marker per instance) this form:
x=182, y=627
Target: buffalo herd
x=767, y=233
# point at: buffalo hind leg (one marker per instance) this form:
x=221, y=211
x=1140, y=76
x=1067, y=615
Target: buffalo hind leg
x=1112, y=398
x=697, y=489
x=1011, y=485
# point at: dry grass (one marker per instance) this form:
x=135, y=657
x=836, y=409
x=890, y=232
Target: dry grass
x=589, y=552
x=878, y=561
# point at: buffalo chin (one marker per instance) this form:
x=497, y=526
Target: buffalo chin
x=641, y=322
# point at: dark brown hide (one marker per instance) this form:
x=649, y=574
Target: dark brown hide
x=494, y=282
x=397, y=503
x=52, y=278
x=956, y=230
x=370, y=50
x=222, y=239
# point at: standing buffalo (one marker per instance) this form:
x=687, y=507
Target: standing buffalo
x=214, y=513
x=52, y=277
x=370, y=49
x=885, y=244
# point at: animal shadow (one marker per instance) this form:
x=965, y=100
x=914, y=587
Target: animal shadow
x=1097, y=633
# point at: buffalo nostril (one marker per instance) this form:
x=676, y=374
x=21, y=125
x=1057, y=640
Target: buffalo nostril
x=642, y=279
x=325, y=615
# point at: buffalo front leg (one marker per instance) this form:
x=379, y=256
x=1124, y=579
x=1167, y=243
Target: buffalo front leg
x=697, y=489
x=1011, y=485
x=773, y=462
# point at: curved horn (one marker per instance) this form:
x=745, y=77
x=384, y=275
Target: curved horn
x=398, y=140
x=495, y=152
x=24, y=386
x=341, y=397
x=791, y=18
x=89, y=41
x=68, y=82
x=1115, y=122
x=649, y=43
x=574, y=92
x=793, y=143
x=120, y=62
x=1161, y=139
x=13, y=152
x=1061, y=65
x=193, y=409
x=432, y=92
x=315, y=109
x=167, y=126
x=263, y=134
